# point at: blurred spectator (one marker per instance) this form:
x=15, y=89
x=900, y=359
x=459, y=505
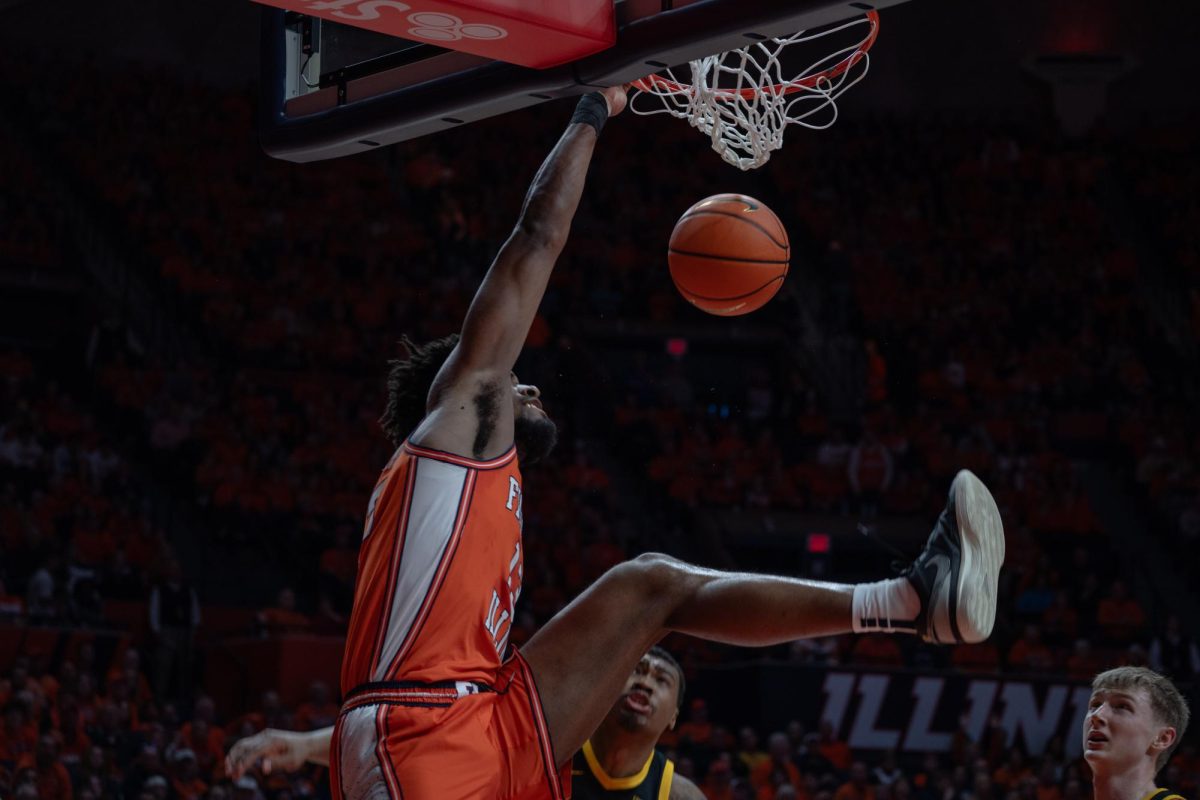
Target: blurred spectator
x=877, y=649
x=777, y=768
x=1010, y=775
x=1029, y=653
x=185, y=777
x=41, y=599
x=1120, y=616
x=697, y=729
x=283, y=618
x=717, y=783
x=833, y=749
x=337, y=567
x=869, y=470
x=174, y=618
x=1174, y=654
x=99, y=775
x=129, y=671
x=1047, y=785
x=53, y=780
x=156, y=787
x=887, y=772
x=823, y=650
x=982, y=657
x=877, y=373
x=749, y=754
x=319, y=710
x=18, y=734
x=1084, y=663
x=1060, y=622
x=858, y=786
x=270, y=715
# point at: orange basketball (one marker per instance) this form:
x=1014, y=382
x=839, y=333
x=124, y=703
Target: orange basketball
x=728, y=254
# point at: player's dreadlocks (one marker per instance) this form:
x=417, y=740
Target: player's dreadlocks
x=408, y=384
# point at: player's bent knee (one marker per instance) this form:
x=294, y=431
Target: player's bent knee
x=657, y=577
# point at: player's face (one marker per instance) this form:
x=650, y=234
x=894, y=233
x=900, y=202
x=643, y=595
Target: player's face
x=534, y=431
x=1121, y=729
x=651, y=697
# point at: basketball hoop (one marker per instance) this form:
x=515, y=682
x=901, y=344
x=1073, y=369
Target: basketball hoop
x=742, y=102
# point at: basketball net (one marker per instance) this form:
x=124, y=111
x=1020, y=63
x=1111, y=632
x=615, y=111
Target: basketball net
x=741, y=100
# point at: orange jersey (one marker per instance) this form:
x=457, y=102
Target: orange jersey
x=439, y=570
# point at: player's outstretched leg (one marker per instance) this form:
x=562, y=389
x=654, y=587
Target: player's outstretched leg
x=581, y=657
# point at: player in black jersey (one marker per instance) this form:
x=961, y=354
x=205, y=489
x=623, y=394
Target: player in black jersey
x=619, y=760
x=1136, y=718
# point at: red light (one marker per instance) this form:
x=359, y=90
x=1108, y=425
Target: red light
x=677, y=347
x=1077, y=27
x=819, y=543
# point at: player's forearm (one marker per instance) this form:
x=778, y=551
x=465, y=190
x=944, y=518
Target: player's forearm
x=504, y=307
x=554, y=194
x=316, y=746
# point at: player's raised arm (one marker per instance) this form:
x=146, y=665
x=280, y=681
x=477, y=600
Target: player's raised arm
x=475, y=378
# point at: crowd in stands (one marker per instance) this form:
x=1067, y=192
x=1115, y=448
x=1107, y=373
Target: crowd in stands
x=994, y=302
x=1159, y=168
x=31, y=246
x=90, y=732
x=73, y=525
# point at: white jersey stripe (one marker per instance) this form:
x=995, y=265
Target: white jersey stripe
x=433, y=509
x=393, y=567
x=460, y=521
x=360, y=771
x=385, y=759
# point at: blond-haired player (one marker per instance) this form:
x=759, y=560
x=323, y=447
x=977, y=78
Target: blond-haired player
x=1134, y=722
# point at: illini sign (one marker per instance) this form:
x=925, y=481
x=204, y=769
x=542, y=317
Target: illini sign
x=538, y=33
x=903, y=710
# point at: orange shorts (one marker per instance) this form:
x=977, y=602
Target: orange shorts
x=447, y=741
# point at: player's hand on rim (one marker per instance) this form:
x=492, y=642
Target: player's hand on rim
x=615, y=97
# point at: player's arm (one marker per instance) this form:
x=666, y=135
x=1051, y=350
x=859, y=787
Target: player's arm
x=684, y=789
x=475, y=378
x=285, y=751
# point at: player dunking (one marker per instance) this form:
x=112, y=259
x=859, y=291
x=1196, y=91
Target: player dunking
x=433, y=709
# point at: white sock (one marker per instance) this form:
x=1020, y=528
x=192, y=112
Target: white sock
x=885, y=606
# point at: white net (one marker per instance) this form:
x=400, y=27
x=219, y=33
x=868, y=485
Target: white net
x=742, y=100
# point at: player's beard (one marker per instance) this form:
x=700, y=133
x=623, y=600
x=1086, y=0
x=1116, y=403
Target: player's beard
x=535, y=437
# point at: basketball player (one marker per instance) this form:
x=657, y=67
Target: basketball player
x=619, y=760
x=1135, y=720
x=433, y=709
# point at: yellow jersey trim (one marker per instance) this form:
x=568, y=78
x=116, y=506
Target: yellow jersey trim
x=1162, y=794
x=606, y=780
x=664, y=788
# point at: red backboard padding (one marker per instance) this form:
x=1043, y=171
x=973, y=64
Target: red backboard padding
x=531, y=33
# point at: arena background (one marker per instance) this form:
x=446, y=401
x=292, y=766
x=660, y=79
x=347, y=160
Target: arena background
x=192, y=345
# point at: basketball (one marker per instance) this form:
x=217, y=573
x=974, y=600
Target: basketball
x=728, y=254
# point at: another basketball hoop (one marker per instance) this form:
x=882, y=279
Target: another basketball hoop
x=741, y=100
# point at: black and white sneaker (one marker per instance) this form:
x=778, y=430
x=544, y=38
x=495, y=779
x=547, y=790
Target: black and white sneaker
x=957, y=572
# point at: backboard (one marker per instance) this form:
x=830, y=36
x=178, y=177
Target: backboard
x=330, y=89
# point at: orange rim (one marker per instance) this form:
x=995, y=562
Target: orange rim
x=652, y=82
